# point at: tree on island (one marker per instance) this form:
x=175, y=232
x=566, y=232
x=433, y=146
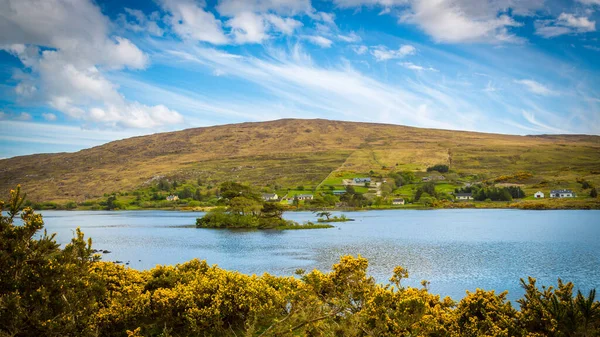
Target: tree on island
x=324, y=214
x=245, y=206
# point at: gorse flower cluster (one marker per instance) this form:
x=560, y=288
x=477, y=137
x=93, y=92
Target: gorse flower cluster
x=48, y=291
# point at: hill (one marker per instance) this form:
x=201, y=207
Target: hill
x=294, y=152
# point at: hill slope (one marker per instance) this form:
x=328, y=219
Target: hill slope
x=292, y=152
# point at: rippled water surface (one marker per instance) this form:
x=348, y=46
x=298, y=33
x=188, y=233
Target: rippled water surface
x=456, y=250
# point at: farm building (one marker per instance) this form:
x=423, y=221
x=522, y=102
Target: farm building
x=463, y=196
x=270, y=196
x=561, y=194
x=539, y=195
x=305, y=197
x=399, y=201
x=362, y=180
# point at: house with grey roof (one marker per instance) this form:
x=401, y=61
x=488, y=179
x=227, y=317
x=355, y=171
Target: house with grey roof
x=463, y=196
x=561, y=194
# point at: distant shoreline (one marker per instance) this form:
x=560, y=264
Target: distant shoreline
x=582, y=205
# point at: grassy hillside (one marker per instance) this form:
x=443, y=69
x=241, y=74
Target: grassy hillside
x=292, y=152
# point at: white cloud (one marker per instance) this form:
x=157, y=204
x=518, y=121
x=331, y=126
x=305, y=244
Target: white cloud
x=43, y=133
x=69, y=73
x=545, y=30
x=252, y=21
x=590, y=2
x=590, y=47
x=360, y=50
x=412, y=66
x=490, y=87
x=78, y=30
x=369, y=3
x=136, y=21
x=192, y=22
x=319, y=40
x=382, y=53
x=23, y=116
x=327, y=18
x=458, y=21
x=49, y=116
x=581, y=23
x=453, y=22
x=536, y=87
x=25, y=89
x=530, y=117
x=248, y=27
x=287, y=26
x=283, y=7
x=566, y=23
x=352, y=37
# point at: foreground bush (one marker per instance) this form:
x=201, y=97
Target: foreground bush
x=48, y=291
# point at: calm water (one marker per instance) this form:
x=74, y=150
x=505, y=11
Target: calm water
x=456, y=250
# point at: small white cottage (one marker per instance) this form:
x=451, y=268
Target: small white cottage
x=399, y=201
x=463, y=196
x=539, y=195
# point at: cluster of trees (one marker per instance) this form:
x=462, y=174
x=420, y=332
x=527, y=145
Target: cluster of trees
x=353, y=198
x=49, y=291
x=482, y=193
x=439, y=168
x=244, y=208
x=402, y=178
x=586, y=185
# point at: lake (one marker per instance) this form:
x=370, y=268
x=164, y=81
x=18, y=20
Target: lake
x=456, y=250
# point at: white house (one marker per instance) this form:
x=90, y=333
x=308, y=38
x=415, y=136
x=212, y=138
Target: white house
x=463, y=196
x=561, y=194
x=539, y=195
x=172, y=198
x=270, y=197
x=398, y=201
x=305, y=197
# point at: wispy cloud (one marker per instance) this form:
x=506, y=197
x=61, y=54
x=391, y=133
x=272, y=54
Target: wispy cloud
x=412, y=66
x=383, y=53
x=566, y=23
x=319, y=40
x=536, y=87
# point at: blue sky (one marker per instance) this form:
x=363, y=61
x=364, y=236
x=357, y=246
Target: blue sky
x=79, y=73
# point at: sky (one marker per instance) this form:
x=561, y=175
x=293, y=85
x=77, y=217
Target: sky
x=79, y=73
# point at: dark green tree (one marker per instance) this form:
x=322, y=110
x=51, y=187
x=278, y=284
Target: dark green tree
x=186, y=193
x=111, y=202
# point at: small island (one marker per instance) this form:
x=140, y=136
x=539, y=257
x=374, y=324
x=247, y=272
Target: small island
x=326, y=217
x=246, y=209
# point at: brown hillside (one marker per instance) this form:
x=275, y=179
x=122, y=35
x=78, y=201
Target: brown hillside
x=292, y=152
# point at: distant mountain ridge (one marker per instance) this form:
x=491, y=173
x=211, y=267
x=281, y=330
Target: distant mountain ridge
x=293, y=152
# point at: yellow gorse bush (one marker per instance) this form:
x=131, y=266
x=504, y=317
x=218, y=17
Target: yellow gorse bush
x=48, y=291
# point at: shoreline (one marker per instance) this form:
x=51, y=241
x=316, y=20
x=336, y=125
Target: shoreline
x=206, y=209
